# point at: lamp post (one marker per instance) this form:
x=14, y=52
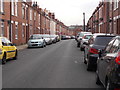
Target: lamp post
x=83, y=21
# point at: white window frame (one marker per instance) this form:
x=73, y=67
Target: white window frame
x=35, y=14
x=16, y=8
x=39, y=20
x=23, y=30
x=23, y=11
x=1, y=5
x=2, y=28
x=13, y=6
x=115, y=4
x=16, y=30
x=31, y=14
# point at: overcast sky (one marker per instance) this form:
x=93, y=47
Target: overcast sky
x=70, y=12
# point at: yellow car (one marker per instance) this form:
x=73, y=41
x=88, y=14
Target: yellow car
x=7, y=50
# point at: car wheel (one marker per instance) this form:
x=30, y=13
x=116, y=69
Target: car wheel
x=98, y=82
x=85, y=59
x=4, y=59
x=88, y=66
x=15, y=58
x=44, y=44
x=78, y=44
x=109, y=85
x=82, y=49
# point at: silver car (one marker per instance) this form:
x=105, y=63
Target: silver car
x=84, y=41
x=36, y=40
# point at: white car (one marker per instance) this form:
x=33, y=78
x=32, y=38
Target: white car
x=80, y=36
x=84, y=41
x=47, y=38
x=36, y=40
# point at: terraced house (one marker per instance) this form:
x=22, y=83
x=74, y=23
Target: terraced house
x=105, y=18
x=20, y=19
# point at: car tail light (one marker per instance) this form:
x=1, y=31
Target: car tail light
x=94, y=51
x=118, y=59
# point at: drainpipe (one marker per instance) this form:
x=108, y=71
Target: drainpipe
x=10, y=36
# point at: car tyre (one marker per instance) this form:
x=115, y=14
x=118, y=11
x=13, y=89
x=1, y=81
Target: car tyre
x=109, y=85
x=98, y=82
x=78, y=44
x=85, y=62
x=88, y=66
x=4, y=59
x=82, y=49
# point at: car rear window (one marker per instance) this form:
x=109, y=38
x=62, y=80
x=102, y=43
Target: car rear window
x=102, y=40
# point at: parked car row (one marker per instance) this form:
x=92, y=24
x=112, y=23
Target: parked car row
x=102, y=54
x=41, y=40
x=65, y=37
x=9, y=50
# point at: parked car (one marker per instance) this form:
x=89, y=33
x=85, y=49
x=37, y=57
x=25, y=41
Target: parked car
x=95, y=43
x=108, y=65
x=54, y=38
x=80, y=36
x=47, y=38
x=7, y=50
x=58, y=38
x=72, y=37
x=63, y=37
x=36, y=40
x=84, y=41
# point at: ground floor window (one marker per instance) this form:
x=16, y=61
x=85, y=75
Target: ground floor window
x=2, y=31
x=23, y=31
x=16, y=31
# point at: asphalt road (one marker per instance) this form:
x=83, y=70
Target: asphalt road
x=57, y=66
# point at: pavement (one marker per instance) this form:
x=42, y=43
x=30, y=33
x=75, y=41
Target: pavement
x=21, y=47
x=58, y=65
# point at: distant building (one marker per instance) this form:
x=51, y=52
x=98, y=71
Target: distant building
x=76, y=29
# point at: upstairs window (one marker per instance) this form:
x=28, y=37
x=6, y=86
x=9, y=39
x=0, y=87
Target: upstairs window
x=1, y=6
x=16, y=8
x=23, y=11
x=115, y=4
x=13, y=6
x=31, y=14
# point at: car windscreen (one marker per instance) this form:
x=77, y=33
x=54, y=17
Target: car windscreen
x=103, y=40
x=36, y=37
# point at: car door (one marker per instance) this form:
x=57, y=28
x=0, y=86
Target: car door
x=11, y=48
x=104, y=61
x=5, y=47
